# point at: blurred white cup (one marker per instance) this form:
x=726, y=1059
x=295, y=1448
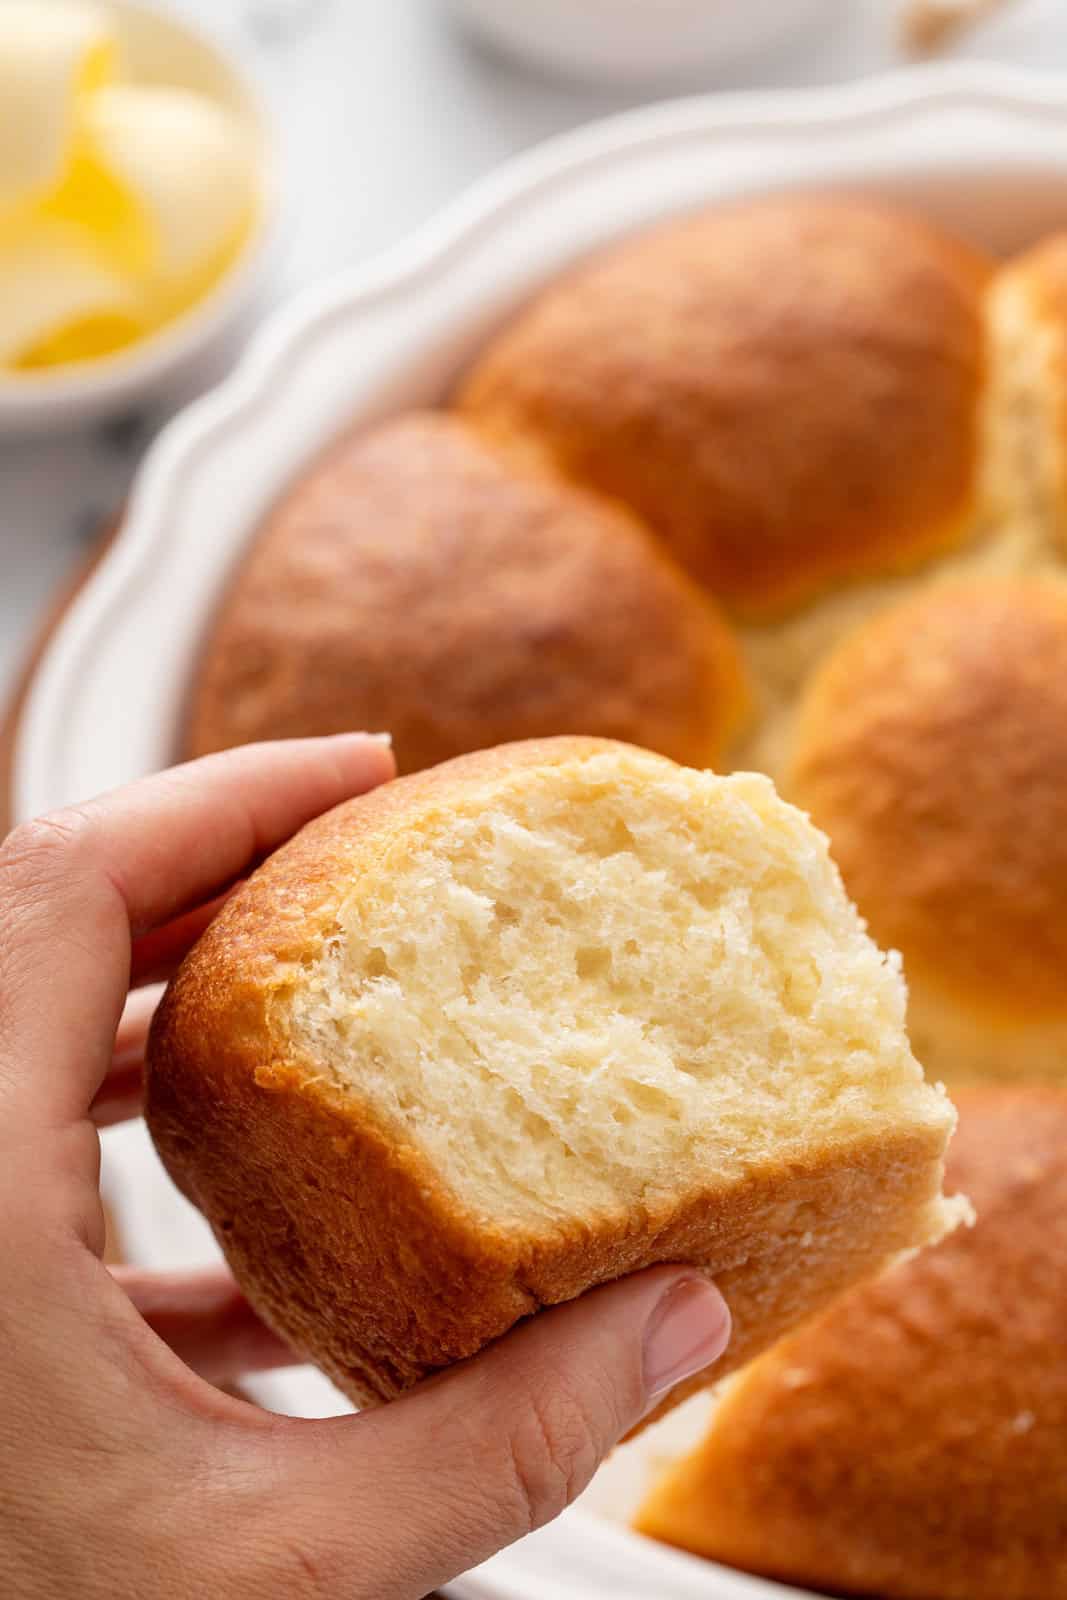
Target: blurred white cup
x=634, y=42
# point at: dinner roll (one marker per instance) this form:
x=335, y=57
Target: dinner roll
x=1026, y=450
x=788, y=391
x=414, y=582
x=932, y=747
x=524, y=1023
x=1021, y=521
x=911, y=1442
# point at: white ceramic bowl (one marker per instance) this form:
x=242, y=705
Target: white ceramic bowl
x=630, y=42
x=984, y=152
x=197, y=348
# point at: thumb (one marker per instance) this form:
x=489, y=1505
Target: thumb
x=395, y=1501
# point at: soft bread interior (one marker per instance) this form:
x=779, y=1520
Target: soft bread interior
x=607, y=981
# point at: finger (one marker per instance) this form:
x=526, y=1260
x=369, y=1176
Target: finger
x=156, y=956
x=75, y=886
x=121, y=1095
x=471, y=1461
x=206, y=1320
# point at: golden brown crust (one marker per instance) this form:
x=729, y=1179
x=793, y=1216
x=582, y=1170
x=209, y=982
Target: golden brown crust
x=932, y=747
x=910, y=1442
x=341, y=1234
x=1038, y=279
x=415, y=583
x=787, y=391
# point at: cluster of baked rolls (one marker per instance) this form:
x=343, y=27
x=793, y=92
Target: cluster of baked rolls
x=781, y=485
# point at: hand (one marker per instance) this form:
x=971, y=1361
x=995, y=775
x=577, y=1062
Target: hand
x=123, y=1472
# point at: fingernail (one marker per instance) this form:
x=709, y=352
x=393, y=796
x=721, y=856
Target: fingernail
x=687, y=1331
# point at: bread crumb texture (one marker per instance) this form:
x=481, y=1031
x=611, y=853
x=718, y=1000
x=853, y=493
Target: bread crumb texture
x=596, y=982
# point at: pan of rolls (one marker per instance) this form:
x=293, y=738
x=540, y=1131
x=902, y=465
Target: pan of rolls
x=761, y=464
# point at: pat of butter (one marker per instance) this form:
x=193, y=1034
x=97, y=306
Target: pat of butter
x=51, y=280
x=51, y=56
x=188, y=169
x=130, y=207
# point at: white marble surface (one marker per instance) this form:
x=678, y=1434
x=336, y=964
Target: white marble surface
x=384, y=112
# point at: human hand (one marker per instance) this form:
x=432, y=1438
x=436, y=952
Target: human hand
x=123, y=1471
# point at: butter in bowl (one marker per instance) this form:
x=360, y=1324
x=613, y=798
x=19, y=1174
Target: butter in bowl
x=133, y=205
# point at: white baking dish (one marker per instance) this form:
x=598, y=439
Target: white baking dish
x=983, y=152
